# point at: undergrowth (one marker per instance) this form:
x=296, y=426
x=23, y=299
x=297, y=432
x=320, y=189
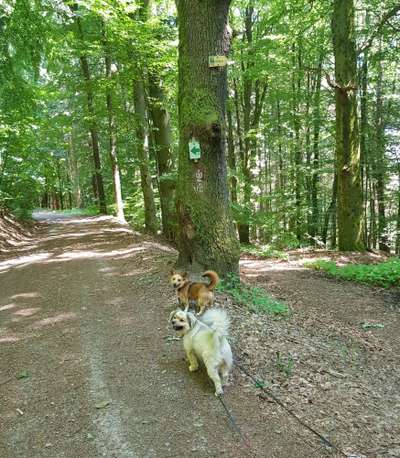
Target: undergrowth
x=384, y=274
x=264, y=251
x=88, y=211
x=254, y=298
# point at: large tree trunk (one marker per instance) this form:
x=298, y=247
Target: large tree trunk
x=92, y=123
x=206, y=234
x=112, y=132
x=162, y=140
x=349, y=202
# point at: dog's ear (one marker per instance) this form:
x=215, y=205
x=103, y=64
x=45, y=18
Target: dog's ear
x=184, y=274
x=171, y=316
x=191, y=320
x=172, y=272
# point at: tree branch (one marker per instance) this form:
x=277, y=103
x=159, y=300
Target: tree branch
x=385, y=18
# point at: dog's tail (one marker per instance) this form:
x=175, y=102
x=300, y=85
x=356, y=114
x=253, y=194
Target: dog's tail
x=213, y=276
x=217, y=320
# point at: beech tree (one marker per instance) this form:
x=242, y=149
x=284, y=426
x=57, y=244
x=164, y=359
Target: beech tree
x=205, y=231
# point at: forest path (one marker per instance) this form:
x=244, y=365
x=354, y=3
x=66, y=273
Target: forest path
x=88, y=367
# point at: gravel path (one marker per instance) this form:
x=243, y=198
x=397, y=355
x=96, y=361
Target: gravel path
x=88, y=367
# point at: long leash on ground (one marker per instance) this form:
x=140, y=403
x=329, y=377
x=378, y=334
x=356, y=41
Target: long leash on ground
x=233, y=421
x=324, y=440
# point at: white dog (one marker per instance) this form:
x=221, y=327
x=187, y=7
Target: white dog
x=205, y=338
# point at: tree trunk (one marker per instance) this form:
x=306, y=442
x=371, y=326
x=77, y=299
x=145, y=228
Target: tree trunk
x=74, y=172
x=398, y=211
x=231, y=158
x=162, y=139
x=92, y=123
x=150, y=216
x=296, y=82
x=364, y=160
x=315, y=162
x=206, y=233
x=380, y=162
x=331, y=215
x=349, y=202
x=112, y=132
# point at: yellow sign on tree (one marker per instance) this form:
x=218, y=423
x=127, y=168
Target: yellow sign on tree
x=217, y=61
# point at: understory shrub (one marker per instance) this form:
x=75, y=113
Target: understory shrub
x=254, y=298
x=384, y=274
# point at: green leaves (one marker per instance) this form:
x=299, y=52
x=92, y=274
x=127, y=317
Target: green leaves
x=384, y=274
x=254, y=298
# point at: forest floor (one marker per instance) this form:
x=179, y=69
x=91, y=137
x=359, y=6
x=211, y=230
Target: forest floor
x=89, y=366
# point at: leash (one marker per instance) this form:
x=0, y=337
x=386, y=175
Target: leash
x=324, y=440
x=233, y=421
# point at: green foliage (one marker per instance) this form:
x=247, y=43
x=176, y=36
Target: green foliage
x=384, y=274
x=264, y=251
x=92, y=210
x=284, y=365
x=134, y=210
x=254, y=298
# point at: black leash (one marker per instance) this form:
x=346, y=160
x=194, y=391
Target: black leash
x=324, y=440
x=233, y=421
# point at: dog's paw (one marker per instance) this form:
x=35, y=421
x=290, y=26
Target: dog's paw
x=219, y=391
x=193, y=367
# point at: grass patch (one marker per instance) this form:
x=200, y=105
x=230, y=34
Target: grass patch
x=254, y=298
x=384, y=274
x=264, y=251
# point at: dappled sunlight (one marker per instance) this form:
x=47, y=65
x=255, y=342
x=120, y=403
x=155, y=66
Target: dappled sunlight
x=107, y=270
x=159, y=246
x=253, y=268
x=87, y=254
x=7, y=306
x=23, y=261
x=9, y=339
x=55, y=319
x=27, y=312
x=25, y=295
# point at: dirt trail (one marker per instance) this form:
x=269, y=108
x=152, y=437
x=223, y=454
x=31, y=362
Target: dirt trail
x=83, y=313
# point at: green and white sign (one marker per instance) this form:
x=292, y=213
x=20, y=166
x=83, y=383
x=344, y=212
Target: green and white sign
x=194, y=149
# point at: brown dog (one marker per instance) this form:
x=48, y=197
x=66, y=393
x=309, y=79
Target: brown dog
x=188, y=291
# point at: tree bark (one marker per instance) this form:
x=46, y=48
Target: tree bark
x=92, y=122
x=349, y=193
x=315, y=163
x=112, y=132
x=150, y=215
x=206, y=233
x=231, y=158
x=163, y=149
x=380, y=162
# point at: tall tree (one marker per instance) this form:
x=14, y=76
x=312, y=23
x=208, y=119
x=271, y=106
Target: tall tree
x=206, y=236
x=163, y=150
x=93, y=128
x=150, y=215
x=349, y=195
x=112, y=130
